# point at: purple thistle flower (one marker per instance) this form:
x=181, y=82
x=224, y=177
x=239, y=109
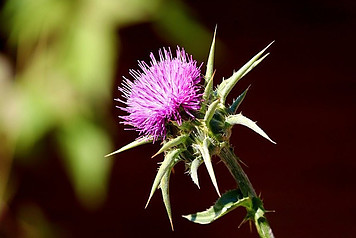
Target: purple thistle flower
x=161, y=92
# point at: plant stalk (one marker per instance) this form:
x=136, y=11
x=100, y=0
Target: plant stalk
x=256, y=212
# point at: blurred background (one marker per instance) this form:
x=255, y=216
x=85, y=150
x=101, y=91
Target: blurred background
x=61, y=63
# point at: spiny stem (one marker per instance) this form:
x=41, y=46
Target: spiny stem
x=230, y=160
x=257, y=212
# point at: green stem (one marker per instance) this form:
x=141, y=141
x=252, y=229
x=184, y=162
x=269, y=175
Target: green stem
x=230, y=160
x=256, y=212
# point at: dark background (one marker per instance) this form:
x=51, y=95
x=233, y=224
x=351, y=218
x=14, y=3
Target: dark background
x=302, y=95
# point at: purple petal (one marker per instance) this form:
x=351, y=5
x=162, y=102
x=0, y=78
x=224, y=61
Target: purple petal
x=160, y=92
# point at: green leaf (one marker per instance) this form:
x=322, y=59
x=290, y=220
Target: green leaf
x=204, y=151
x=174, y=142
x=210, y=63
x=210, y=112
x=255, y=64
x=208, y=89
x=242, y=120
x=194, y=170
x=131, y=145
x=166, y=165
x=237, y=102
x=225, y=204
x=164, y=186
x=227, y=85
x=209, y=76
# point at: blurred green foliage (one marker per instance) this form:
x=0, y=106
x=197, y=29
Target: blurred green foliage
x=65, y=62
x=60, y=85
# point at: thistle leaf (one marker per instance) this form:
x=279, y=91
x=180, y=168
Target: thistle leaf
x=204, y=150
x=174, y=142
x=131, y=145
x=165, y=166
x=242, y=120
x=164, y=186
x=210, y=63
x=227, y=85
x=255, y=64
x=210, y=112
x=226, y=203
x=194, y=170
x=233, y=108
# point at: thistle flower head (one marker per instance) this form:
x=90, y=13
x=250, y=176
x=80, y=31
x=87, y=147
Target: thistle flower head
x=163, y=91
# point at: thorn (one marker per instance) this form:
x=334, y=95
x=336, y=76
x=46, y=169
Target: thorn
x=171, y=224
x=112, y=153
x=148, y=201
x=243, y=163
x=211, y=78
x=243, y=222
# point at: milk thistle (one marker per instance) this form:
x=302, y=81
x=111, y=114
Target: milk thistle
x=170, y=101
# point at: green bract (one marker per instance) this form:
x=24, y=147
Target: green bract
x=195, y=142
